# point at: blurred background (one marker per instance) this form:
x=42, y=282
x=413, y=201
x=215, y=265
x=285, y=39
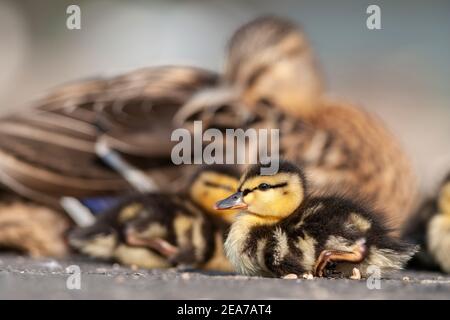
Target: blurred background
x=401, y=72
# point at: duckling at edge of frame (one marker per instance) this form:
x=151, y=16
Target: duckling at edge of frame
x=438, y=230
x=282, y=230
x=430, y=229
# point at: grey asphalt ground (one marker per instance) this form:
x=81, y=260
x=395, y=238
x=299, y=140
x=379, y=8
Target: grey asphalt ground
x=25, y=278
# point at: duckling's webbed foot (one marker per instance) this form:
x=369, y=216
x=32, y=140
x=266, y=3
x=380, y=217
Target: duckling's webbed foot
x=326, y=257
x=163, y=247
x=160, y=245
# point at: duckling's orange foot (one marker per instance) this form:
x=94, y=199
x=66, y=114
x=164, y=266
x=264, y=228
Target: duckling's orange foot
x=163, y=247
x=160, y=245
x=332, y=256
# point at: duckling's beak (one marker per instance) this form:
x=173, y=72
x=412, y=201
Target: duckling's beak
x=235, y=201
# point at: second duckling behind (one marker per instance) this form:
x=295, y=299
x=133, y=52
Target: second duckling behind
x=159, y=230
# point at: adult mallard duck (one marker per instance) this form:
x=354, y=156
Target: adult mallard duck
x=48, y=151
x=271, y=80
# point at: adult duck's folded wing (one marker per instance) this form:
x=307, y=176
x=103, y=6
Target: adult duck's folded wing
x=49, y=150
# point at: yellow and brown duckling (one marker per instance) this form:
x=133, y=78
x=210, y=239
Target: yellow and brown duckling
x=189, y=231
x=282, y=230
x=105, y=239
x=161, y=229
x=430, y=229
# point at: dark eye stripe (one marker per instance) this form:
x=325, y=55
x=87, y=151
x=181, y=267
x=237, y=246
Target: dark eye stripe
x=280, y=185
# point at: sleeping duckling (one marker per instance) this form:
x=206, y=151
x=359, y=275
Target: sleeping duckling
x=160, y=230
x=191, y=232
x=282, y=230
x=105, y=240
x=430, y=228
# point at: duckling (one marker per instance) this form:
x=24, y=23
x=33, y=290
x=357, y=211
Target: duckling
x=158, y=230
x=283, y=230
x=430, y=228
x=192, y=232
x=438, y=233
x=272, y=71
x=105, y=239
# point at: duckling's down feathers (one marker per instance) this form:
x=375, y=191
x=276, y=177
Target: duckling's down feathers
x=329, y=223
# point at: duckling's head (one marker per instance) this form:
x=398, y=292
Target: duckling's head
x=211, y=184
x=101, y=239
x=270, y=197
x=444, y=196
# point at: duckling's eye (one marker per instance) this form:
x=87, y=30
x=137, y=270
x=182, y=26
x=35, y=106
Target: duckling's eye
x=263, y=187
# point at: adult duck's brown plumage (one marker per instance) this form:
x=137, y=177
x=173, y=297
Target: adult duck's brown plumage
x=271, y=80
x=48, y=151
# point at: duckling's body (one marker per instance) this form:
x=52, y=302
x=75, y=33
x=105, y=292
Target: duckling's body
x=106, y=240
x=293, y=245
x=283, y=230
x=163, y=229
x=175, y=227
x=430, y=228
